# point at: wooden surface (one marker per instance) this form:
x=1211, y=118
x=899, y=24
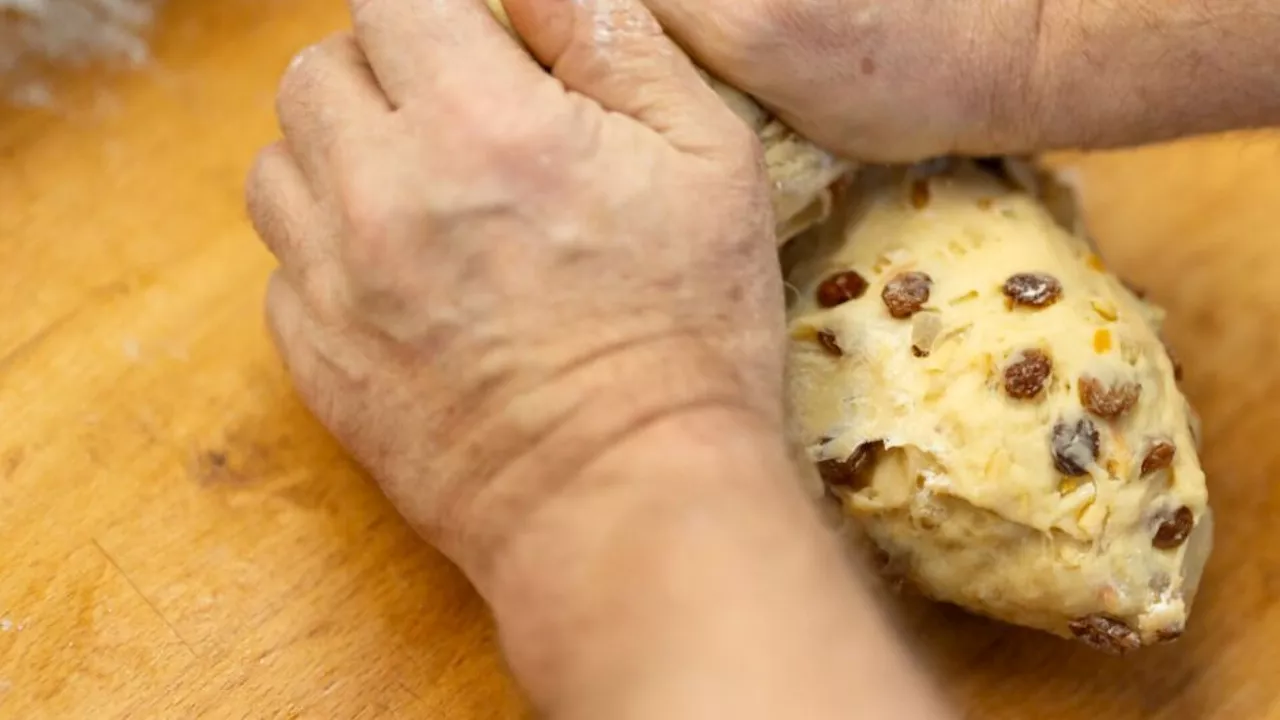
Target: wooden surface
x=178, y=539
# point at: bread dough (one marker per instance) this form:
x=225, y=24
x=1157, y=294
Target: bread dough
x=800, y=173
x=996, y=409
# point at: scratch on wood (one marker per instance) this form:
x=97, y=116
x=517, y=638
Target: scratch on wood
x=25, y=347
x=145, y=599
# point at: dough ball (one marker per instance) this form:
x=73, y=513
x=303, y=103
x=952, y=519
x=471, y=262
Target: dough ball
x=994, y=407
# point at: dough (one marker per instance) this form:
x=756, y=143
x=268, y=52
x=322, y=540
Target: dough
x=995, y=409
x=800, y=173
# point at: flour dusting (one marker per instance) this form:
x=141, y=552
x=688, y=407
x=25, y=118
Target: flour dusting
x=40, y=36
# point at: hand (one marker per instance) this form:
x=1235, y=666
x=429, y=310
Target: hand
x=489, y=277
x=910, y=79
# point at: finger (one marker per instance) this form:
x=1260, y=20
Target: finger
x=615, y=52
x=327, y=97
x=294, y=333
x=283, y=211
x=416, y=47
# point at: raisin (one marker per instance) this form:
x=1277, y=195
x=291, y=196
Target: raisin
x=920, y=194
x=829, y=342
x=1174, y=531
x=1075, y=446
x=918, y=352
x=1159, y=456
x=1106, y=634
x=1168, y=635
x=850, y=472
x=906, y=294
x=1026, y=377
x=1036, y=290
x=841, y=288
x=995, y=166
x=1108, y=401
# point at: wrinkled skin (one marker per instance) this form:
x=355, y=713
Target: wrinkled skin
x=904, y=80
x=488, y=278
x=875, y=80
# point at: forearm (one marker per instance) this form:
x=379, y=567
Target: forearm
x=1109, y=74
x=691, y=579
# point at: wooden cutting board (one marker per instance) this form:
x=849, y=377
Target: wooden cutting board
x=178, y=539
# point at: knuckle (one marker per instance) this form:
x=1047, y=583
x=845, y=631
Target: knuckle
x=518, y=135
x=259, y=194
x=368, y=243
x=309, y=67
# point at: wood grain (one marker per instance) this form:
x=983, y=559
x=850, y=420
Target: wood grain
x=178, y=539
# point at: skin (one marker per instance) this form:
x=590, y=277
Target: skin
x=903, y=80
x=543, y=310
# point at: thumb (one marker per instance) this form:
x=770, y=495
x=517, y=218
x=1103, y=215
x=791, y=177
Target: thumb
x=616, y=53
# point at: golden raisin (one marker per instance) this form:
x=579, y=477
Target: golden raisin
x=1174, y=531
x=1102, y=341
x=1074, y=446
x=1095, y=263
x=920, y=194
x=841, y=288
x=829, y=342
x=1035, y=290
x=1026, y=377
x=1105, y=309
x=906, y=294
x=1108, y=401
x=851, y=472
x=1159, y=456
x=1107, y=634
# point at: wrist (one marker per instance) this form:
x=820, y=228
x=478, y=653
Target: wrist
x=545, y=447
x=577, y=579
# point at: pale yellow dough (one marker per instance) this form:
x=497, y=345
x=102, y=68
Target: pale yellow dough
x=965, y=497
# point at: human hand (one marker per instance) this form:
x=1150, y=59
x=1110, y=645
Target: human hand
x=902, y=81
x=488, y=279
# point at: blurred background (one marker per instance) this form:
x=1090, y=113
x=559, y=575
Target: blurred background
x=178, y=538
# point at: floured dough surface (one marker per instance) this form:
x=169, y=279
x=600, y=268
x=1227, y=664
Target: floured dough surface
x=995, y=408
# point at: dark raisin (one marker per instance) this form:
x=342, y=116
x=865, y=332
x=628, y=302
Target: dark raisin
x=995, y=166
x=920, y=194
x=841, y=288
x=906, y=294
x=1159, y=456
x=1036, y=290
x=1174, y=531
x=1026, y=377
x=1075, y=446
x=1106, y=634
x=851, y=472
x=1168, y=635
x=829, y=342
x=1108, y=401
x=919, y=352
